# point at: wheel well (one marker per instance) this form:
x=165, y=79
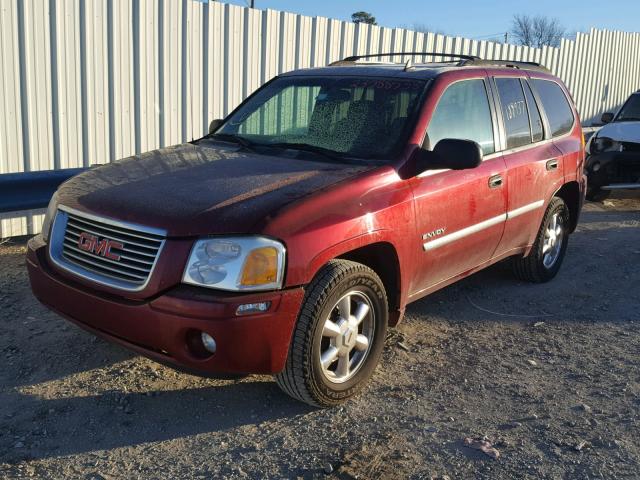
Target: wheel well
x=382, y=258
x=570, y=193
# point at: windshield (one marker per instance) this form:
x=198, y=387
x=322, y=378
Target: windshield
x=630, y=110
x=344, y=116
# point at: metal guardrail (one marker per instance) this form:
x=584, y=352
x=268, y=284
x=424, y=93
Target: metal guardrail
x=31, y=190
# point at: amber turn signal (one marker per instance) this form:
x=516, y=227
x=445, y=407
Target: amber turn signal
x=260, y=267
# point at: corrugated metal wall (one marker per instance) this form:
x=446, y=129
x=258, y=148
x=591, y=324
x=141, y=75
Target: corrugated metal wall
x=89, y=81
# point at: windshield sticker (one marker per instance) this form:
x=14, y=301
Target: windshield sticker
x=383, y=84
x=515, y=109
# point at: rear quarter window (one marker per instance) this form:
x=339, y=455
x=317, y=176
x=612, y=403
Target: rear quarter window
x=555, y=105
x=537, y=129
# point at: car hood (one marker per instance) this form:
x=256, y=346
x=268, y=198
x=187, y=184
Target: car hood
x=621, y=131
x=199, y=189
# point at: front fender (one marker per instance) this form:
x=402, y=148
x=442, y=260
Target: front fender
x=380, y=251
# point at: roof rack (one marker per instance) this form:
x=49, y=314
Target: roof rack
x=463, y=60
x=505, y=63
x=354, y=58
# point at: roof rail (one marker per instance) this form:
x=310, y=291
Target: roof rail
x=354, y=58
x=506, y=63
x=463, y=60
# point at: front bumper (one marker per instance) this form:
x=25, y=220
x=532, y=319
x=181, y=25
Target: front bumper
x=159, y=327
x=608, y=170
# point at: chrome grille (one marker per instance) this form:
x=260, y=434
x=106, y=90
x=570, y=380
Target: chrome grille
x=133, y=256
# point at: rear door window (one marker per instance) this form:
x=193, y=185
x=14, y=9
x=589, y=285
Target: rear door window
x=514, y=112
x=463, y=112
x=555, y=105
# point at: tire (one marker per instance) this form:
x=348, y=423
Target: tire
x=596, y=194
x=540, y=266
x=340, y=285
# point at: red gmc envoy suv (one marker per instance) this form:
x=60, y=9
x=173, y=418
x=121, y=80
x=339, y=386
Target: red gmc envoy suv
x=292, y=236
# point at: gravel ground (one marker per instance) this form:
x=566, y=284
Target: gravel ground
x=547, y=374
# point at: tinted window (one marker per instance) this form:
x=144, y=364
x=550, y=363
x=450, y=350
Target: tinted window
x=463, y=112
x=555, y=105
x=537, y=133
x=360, y=117
x=514, y=112
x=630, y=110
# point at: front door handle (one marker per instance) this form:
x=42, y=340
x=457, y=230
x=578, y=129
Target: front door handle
x=495, y=181
x=552, y=164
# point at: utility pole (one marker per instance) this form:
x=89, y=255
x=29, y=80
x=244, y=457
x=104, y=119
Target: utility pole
x=253, y=3
x=506, y=37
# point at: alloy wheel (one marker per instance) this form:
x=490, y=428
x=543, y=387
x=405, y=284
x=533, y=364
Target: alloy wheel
x=347, y=336
x=552, y=244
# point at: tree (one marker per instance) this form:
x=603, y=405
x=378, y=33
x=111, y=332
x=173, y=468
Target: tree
x=537, y=31
x=363, y=17
x=424, y=28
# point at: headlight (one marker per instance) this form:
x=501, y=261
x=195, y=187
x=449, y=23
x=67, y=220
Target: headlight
x=236, y=263
x=49, y=216
x=601, y=144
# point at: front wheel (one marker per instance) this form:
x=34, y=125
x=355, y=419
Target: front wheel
x=548, y=251
x=339, y=336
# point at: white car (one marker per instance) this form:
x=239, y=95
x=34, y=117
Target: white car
x=613, y=153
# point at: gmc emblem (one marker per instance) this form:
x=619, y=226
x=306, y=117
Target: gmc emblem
x=92, y=244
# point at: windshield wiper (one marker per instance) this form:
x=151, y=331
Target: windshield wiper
x=325, y=152
x=229, y=137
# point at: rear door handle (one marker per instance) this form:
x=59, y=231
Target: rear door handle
x=552, y=164
x=495, y=181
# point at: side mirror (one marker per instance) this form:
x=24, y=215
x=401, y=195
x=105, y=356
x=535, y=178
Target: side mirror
x=215, y=124
x=450, y=153
x=607, y=117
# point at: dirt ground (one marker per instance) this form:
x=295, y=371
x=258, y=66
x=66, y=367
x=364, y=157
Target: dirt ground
x=549, y=374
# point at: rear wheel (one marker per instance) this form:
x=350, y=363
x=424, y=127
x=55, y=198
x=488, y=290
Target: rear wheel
x=339, y=336
x=548, y=251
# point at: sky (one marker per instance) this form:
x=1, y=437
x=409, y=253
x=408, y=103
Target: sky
x=468, y=18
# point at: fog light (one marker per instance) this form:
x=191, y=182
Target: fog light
x=249, y=308
x=595, y=167
x=208, y=342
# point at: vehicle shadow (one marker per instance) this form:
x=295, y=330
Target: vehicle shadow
x=113, y=419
